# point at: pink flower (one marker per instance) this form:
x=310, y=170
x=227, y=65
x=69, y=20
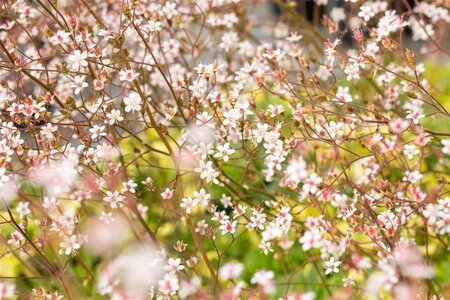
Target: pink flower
x=228, y=226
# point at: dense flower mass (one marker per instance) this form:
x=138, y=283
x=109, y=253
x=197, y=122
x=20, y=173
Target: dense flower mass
x=199, y=150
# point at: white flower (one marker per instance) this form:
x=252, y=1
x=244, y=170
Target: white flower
x=169, y=10
x=187, y=203
x=48, y=130
x=352, y=71
x=260, y=132
x=226, y=201
x=3, y=177
x=204, y=150
x=167, y=194
x=108, y=35
x=129, y=186
x=207, y=172
x=152, y=26
x=275, y=110
x=272, y=54
x=78, y=84
x=61, y=37
x=223, y=151
x=197, y=89
x=168, y=285
x=311, y=239
x=114, y=199
x=410, y=151
x=128, y=75
x=201, y=227
x=107, y=218
x=231, y=117
x=343, y=95
x=202, y=197
x=97, y=131
x=78, y=59
x=264, y=279
x=431, y=213
x=7, y=290
x=398, y=125
x=114, y=117
x=132, y=102
x=50, y=203
x=229, y=41
x=337, y=14
x=265, y=247
x=413, y=176
x=415, y=115
x=231, y=270
x=349, y=281
x=421, y=30
x=335, y=129
x=446, y=148
x=331, y=266
x=366, y=12
x=244, y=108
x=311, y=184
x=23, y=209
x=174, y=265
x=15, y=239
x=69, y=245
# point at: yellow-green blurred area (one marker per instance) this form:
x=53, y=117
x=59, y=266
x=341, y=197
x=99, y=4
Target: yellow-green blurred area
x=438, y=75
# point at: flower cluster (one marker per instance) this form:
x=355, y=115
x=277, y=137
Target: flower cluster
x=192, y=150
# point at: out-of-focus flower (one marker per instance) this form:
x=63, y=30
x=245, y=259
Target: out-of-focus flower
x=78, y=59
x=132, y=102
x=56, y=177
x=231, y=270
x=264, y=279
